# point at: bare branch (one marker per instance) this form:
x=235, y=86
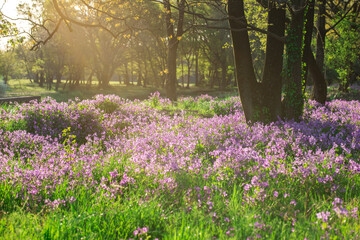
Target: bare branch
x=342, y=18
x=43, y=42
x=65, y=17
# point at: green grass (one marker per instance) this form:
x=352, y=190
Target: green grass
x=21, y=87
x=166, y=216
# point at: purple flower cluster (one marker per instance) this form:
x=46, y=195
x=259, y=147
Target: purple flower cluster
x=49, y=118
x=124, y=141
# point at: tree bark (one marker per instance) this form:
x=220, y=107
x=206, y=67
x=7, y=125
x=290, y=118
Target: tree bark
x=171, y=81
x=272, y=80
x=173, y=42
x=197, y=70
x=245, y=75
x=319, y=90
x=308, y=37
x=138, y=83
x=188, y=75
x=182, y=73
x=146, y=74
x=293, y=99
x=127, y=82
x=320, y=36
x=42, y=79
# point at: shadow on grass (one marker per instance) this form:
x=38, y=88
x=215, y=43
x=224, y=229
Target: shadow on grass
x=25, y=87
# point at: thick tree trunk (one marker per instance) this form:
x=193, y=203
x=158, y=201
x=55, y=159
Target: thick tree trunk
x=36, y=78
x=308, y=37
x=272, y=80
x=320, y=36
x=42, y=79
x=127, y=82
x=319, y=90
x=171, y=81
x=293, y=99
x=173, y=42
x=245, y=75
x=106, y=76
x=105, y=81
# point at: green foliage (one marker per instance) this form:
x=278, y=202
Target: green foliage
x=342, y=49
x=13, y=125
x=257, y=16
x=107, y=106
x=223, y=108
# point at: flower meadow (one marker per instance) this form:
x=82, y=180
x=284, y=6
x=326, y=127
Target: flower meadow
x=110, y=168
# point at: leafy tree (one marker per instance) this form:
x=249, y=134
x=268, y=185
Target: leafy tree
x=7, y=65
x=343, y=51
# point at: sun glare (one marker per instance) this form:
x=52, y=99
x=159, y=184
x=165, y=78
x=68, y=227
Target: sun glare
x=9, y=9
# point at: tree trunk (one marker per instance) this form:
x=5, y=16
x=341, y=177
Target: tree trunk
x=58, y=81
x=212, y=78
x=272, y=80
x=106, y=76
x=223, y=82
x=319, y=90
x=127, y=82
x=106, y=81
x=36, y=78
x=146, y=74
x=173, y=42
x=188, y=73
x=132, y=70
x=89, y=81
x=307, y=40
x=182, y=74
x=320, y=36
x=171, y=81
x=245, y=75
x=138, y=82
x=197, y=70
x=49, y=81
x=293, y=99
x=42, y=79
